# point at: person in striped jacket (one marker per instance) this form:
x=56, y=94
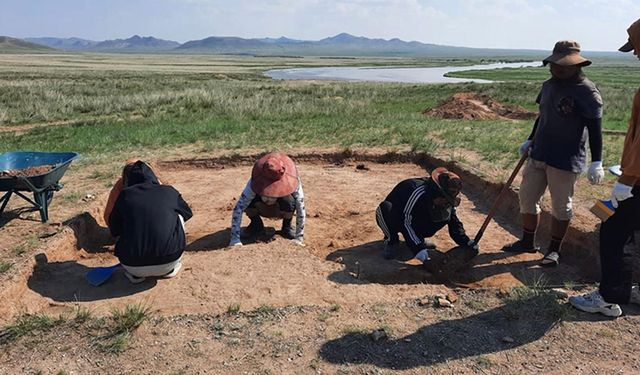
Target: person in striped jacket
x=418, y=208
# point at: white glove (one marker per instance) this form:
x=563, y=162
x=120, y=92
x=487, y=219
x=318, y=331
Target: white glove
x=524, y=147
x=298, y=241
x=472, y=244
x=620, y=192
x=423, y=255
x=596, y=173
x=235, y=242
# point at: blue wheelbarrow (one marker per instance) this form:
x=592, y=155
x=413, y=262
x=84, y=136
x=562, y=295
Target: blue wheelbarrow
x=49, y=168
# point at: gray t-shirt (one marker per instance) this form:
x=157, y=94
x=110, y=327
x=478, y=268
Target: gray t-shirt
x=561, y=135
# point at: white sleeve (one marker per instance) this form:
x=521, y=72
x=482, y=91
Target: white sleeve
x=300, y=210
x=243, y=202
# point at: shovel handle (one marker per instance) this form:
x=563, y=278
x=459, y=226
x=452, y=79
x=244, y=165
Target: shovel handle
x=498, y=200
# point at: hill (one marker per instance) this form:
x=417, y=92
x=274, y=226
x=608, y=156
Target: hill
x=13, y=45
x=66, y=44
x=134, y=44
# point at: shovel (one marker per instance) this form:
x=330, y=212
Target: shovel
x=459, y=256
x=99, y=275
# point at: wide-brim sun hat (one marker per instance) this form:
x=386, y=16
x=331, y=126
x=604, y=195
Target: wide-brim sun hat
x=634, y=34
x=567, y=53
x=274, y=175
x=449, y=182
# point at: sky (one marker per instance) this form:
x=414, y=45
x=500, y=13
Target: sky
x=598, y=25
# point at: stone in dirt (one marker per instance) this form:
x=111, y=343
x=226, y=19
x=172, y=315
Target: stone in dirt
x=443, y=302
x=379, y=334
x=474, y=106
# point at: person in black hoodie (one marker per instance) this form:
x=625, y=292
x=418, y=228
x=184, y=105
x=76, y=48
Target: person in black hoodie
x=418, y=208
x=148, y=220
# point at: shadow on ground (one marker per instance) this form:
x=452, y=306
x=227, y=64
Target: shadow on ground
x=522, y=322
x=364, y=263
x=65, y=282
x=90, y=236
x=220, y=240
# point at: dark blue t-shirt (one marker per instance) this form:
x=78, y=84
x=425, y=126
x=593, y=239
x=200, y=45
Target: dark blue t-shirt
x=561, y=135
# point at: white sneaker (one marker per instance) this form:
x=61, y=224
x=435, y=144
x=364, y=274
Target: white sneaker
x=134, y=279
x=594, y=303
x=634, y=297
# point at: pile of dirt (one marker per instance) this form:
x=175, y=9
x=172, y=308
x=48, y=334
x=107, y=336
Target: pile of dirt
x=27, y=172
x=474, y=106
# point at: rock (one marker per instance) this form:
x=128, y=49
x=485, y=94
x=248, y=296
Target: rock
x=362, y=167
x=560, y=293
x=89, y=197
x=508, y=339
x=424, y=302
x=452, y=296
x=379, y=334
x=443, y=302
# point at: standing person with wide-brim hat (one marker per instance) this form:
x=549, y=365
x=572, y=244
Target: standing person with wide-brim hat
x=273, y=191
x=623, y=227
x=570, y=112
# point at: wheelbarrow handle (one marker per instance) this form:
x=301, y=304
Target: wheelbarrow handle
x=498, y=200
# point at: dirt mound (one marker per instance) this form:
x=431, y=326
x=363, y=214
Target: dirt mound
x=473, y=106
x=27, y=172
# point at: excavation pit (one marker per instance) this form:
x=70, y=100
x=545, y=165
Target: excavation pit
x=340, y=264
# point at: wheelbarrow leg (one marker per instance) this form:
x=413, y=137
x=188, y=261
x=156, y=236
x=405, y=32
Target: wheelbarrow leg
x=5, y=200
x=42, y=199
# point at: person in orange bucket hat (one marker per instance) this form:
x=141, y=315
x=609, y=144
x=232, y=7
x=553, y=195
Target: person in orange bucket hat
x=273, y=191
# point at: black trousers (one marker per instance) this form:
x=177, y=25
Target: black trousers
x=616, y=233
x=283, y=208
x=383, y=219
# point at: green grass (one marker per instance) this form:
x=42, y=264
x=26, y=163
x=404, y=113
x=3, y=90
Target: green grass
x=233, y=309
x=129, y=318
x=31, y=324
x=122, y=105
x=4, y=267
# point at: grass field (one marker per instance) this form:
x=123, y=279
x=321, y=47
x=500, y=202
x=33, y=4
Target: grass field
x=110, y=104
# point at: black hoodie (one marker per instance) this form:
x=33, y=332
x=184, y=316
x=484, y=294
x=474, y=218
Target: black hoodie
x=414, y=214
x=145, y=217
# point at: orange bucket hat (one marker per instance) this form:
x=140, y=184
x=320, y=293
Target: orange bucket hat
x=566, y=53
x=274, y=175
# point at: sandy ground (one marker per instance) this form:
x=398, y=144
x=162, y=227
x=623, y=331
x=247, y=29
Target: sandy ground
x=316, y=305
x=340, y=263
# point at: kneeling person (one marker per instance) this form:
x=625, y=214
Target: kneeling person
x=148, y=219
x=273, y=191
x=418, y=208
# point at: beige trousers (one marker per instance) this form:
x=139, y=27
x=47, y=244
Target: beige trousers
x=536, y=176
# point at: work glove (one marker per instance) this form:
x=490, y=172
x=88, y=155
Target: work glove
x=423, y=255
x=596, y=173
x=299, y=241
x=235, y=242
x=524, y=147
x=620, y=192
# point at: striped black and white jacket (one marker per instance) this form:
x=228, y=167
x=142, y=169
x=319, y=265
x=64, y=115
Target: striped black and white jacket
x=411, y=213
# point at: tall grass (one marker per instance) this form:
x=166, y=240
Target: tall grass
x=126, y=108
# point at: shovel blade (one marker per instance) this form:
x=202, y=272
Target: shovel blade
x=99, y=275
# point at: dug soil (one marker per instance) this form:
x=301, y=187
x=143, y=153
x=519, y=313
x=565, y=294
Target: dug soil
x=274, y=307
x=27, y=172
x=474, y=106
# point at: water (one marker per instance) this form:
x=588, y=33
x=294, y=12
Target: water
x=407, y=75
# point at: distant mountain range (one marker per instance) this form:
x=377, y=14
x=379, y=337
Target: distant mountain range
x=13, y=45
x=340, y=45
